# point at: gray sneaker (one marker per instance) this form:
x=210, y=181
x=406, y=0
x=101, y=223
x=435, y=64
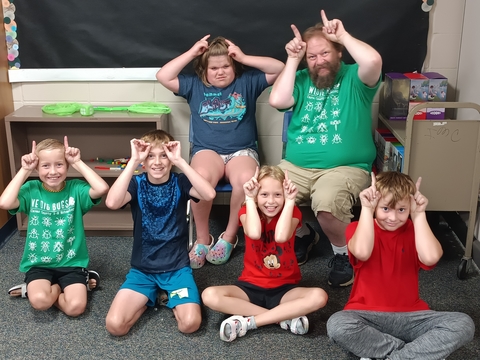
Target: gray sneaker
x=341, y=273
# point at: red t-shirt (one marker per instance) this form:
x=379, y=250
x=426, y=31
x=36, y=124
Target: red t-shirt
x=388, y=280
x=269, y=264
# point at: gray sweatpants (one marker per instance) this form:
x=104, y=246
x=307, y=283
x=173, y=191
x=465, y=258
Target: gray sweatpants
x=425, y=335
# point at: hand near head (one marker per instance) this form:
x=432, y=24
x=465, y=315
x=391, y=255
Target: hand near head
x=370, y=196
x=30, y=161
x=200, y=46
x=172, y=149
x=252, y=186
x=296, y=47
x=234, y=51
x=333, y=29
x=290, y=191
x=140, y=150
x=72, y=154
x=418, y=202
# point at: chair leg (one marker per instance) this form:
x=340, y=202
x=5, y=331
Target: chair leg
x=190, y=226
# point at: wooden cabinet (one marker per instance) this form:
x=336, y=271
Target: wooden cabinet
x=446, y=154
x=105, y=135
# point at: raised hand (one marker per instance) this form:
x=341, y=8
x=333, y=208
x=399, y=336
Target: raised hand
x=370, y=196
x=296, y=47
x=30, y=161
x=72, y=154
x=418, y=202
x=333, y=29
x=140, y=150
x=200, y=46
x=172, y=149
x=234, y=51
x=290, y=191
x=252, y=186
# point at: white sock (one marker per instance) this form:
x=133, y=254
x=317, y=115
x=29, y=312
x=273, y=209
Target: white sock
x=251, y=324
x=304, y=230
x=341, y=250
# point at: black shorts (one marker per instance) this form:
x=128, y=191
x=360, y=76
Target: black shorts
x=266, y=298
x=62, y=276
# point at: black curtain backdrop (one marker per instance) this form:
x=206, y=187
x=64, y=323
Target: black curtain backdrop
x=149, y=33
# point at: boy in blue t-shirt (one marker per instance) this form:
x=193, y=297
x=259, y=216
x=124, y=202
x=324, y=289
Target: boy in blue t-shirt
x=158, y=200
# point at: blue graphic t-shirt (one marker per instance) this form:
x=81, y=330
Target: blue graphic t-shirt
x=223, y=119
x=160, y=230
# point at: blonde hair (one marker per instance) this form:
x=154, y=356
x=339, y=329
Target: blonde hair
x=157, y=137
x=271, y=171
x=216, y=47
x=49, y=144
x=400, y=185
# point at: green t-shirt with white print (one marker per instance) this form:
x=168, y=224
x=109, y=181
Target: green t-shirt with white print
x=55, y=232
x=332, y=127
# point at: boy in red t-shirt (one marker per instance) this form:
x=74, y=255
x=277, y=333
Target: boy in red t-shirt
x=267, y=291
x=384, y=317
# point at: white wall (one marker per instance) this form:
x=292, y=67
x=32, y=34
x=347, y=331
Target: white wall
x=469, y=68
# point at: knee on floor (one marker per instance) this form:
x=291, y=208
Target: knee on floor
x=75, y=308
x=189, y=324
x=116, y=326
x=40, y=301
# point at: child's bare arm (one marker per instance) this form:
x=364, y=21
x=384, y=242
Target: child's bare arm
x=9, y=197
x=428, y=247
x=201, y=188
x=251, y=220
x=98, y=186
x=361, y=243
x=118, y=194
x=270, y=66
x=287, y=224
x=168, y=74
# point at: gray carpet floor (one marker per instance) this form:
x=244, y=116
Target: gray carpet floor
x=30, y=334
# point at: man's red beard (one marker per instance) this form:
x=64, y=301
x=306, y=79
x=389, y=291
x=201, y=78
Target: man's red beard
x=325, y=81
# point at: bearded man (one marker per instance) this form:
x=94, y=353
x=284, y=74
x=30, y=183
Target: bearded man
x=330, y=148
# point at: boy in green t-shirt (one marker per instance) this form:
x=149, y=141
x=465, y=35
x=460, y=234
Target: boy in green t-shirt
x=55, y=257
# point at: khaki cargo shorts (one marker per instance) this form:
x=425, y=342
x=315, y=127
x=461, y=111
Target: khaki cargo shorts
x=332, y=190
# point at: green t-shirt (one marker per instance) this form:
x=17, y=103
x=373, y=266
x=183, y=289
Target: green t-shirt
x=332, y=127
x=55, y=233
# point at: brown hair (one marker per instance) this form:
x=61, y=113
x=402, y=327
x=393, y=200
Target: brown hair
x=401, y=186
x=217, y=47
x=157, y=137
x=317, y=31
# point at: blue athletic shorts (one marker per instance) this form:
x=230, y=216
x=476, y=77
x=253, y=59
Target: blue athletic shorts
x=179, y=285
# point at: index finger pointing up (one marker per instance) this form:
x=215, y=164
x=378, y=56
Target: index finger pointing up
x=374, y=179
x=296, y=32
x=65, y=142
x=34, y=146
x=324, y=17
x=419, y=181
